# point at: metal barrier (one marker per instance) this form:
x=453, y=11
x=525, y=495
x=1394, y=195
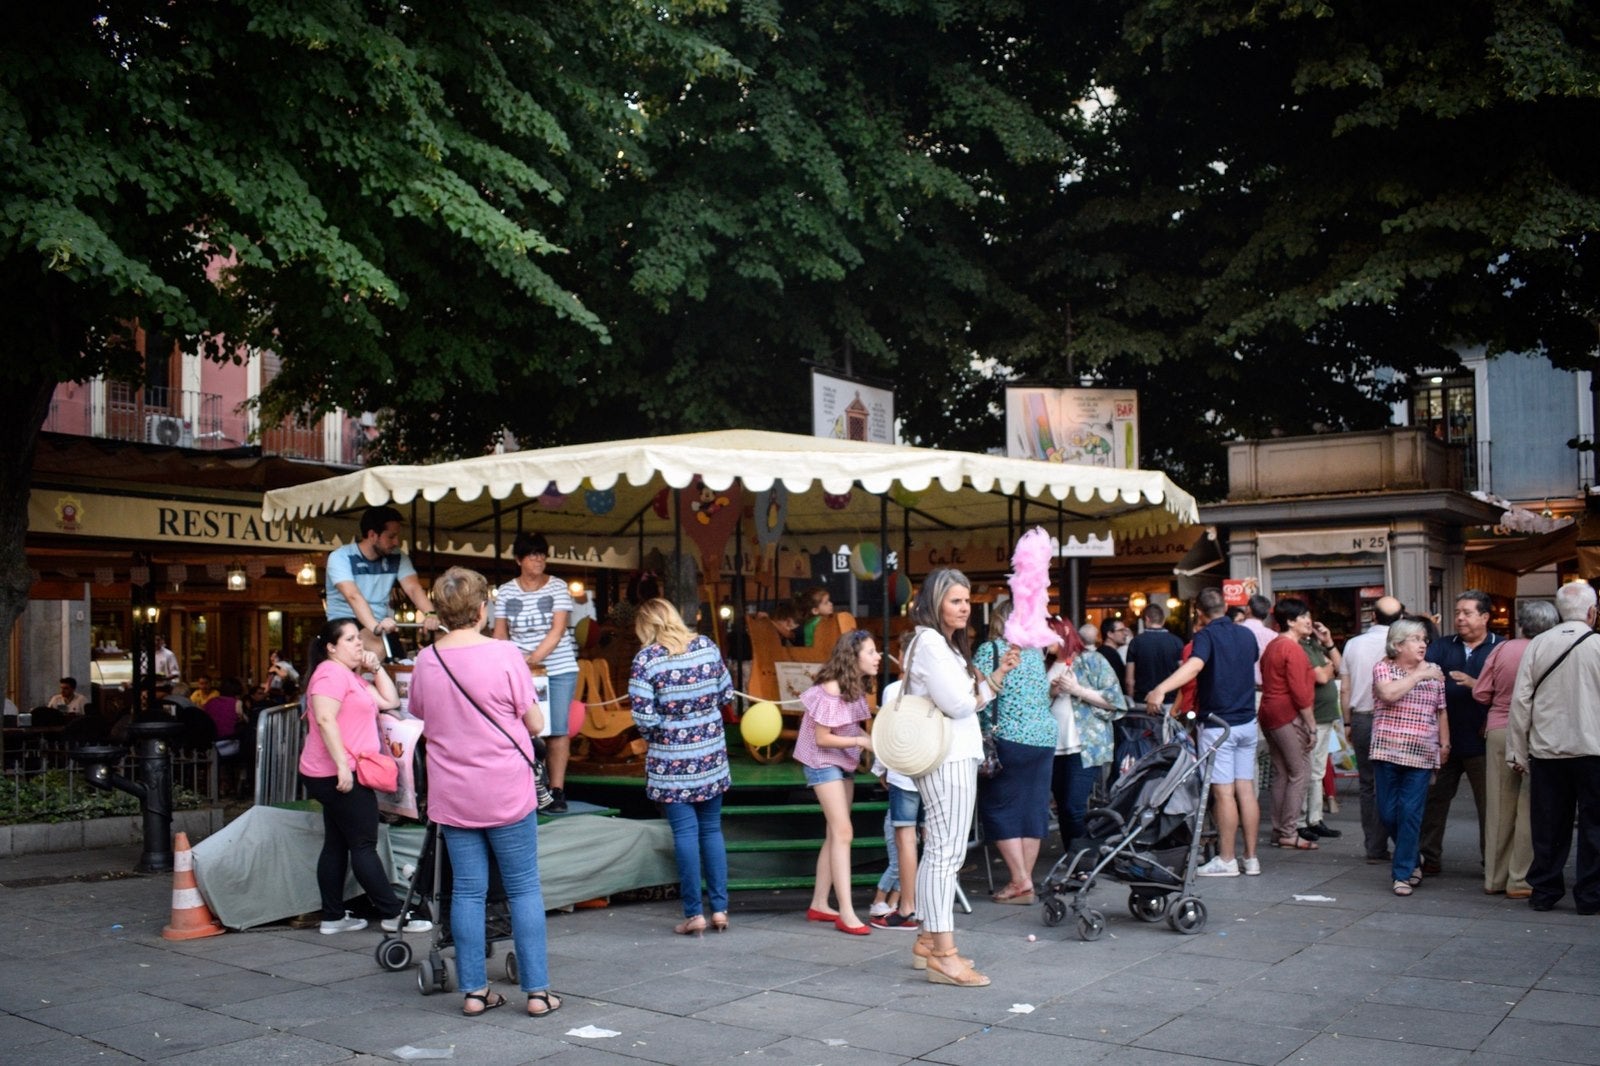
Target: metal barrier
x=279, y=737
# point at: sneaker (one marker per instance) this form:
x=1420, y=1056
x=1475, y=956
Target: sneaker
x=558, y=801
x=347, y=924
x=879, y=909
x=895, y=920
x=1250, y=867
x=412, y=925
x=1219, y=867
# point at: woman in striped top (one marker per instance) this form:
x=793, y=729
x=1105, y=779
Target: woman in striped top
x=1410, y=737
x=679, y=686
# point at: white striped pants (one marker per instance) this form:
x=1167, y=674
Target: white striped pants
x=949, y=794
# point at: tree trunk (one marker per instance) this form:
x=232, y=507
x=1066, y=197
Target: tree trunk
x=19, y=440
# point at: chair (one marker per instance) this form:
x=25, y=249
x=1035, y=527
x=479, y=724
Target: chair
x=608, y=730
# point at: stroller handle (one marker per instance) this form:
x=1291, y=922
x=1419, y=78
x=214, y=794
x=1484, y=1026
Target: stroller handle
x=1213, y=722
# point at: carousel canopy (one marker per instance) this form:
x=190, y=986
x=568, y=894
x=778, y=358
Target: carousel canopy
x=606, y=503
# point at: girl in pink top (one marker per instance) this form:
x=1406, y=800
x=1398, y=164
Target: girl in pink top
x=830, y=746
x=475, y=698
x=342, y=710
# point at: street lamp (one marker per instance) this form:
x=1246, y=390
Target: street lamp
x=307, y=574
x=237, y=580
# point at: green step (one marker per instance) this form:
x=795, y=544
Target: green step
x=748, y=884
x=728, y=809
x=859, y=843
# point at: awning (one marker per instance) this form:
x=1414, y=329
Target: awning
x=606, y=498
x=1526, y=554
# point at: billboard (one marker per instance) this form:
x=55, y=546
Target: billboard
x=1094, y=427
x=850, y=410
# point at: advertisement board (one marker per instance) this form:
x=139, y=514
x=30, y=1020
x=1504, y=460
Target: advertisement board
x=850, y=410
x=1093, y=427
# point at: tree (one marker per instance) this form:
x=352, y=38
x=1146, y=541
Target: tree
x=1290, y=195
x=382, y=178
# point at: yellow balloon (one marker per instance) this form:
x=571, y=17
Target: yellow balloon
x=761, y=724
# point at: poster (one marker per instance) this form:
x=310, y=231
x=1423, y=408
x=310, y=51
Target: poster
x=850, y=410
x=1092, y=427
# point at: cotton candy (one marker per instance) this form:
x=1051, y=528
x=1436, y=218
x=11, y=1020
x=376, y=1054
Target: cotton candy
x=1030, y=592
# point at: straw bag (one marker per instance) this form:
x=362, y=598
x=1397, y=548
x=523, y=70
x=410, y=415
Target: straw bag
x=910, y=736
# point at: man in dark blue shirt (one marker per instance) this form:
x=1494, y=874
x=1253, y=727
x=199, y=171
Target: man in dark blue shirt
x=1224, y=659
x=1461, y=657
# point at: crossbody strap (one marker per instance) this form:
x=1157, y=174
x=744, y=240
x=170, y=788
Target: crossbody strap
x=1559, y=660
x=479, y=708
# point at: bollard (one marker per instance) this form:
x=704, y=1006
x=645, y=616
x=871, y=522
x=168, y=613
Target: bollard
x=152, y=754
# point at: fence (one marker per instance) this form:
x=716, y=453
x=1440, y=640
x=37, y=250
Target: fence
x=278, y=741
x=49, y=771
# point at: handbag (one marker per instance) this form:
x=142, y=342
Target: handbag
x=910, y=736
x=541, y=774
x=375, y=770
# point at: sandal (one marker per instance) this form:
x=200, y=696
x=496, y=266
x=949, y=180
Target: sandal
x=1416, y=877
x=1402, y=888
x=961, y=974
x=1297, y=843
x=550, y=1005
x=489, y=1000
x=1020, y=896
x=719, y=922
x=691, y=926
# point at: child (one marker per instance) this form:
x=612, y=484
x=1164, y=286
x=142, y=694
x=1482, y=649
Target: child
x=829, y=746
x=897, y=887
x=813, y=604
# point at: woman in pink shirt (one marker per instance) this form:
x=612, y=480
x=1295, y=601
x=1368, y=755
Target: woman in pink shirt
x=1410, y=738
x=1507, y=835
x=475, y=697
x=343, y=713
x=830, y=746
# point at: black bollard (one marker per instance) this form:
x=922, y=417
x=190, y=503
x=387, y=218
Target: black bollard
x=152, y=754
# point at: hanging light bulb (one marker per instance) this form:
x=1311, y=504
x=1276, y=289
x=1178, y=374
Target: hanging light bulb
x=307, y=574
x=237, y=580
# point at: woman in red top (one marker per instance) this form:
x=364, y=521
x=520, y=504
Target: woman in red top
x=1288, y=690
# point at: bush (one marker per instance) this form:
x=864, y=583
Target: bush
x=64, y=796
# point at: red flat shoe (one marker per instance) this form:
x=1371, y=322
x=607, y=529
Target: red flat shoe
x=853, y=930
x=814, y=915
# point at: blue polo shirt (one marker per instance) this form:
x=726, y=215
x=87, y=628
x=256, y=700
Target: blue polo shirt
x=374, y=579
x=1227, y=685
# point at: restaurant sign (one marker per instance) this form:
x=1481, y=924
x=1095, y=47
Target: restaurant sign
x=218, y=522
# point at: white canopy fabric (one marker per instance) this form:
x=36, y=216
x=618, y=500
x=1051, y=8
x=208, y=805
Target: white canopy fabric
x=936, y=496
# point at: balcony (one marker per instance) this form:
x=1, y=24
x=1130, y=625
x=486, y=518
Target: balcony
x=1335, y=463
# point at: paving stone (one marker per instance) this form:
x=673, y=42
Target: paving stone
x=681, y=995
x=795, y=1050
x=1542, y=1006
x=1552, y=1041
x=268, y=1048
x=1005, y=1044
x=893, y=1032
x=94, y=1013
x=187, y=1030
x=1201, y=1034
x=1340, y=1049
x=779, y=1012
x=1472, y=997
x=1417, y=1025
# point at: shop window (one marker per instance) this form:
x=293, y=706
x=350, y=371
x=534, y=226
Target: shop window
x=1447, y=407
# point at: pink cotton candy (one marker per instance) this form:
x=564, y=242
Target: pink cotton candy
x=1028, y=626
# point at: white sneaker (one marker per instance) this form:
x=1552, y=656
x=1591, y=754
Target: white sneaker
x=1250, y=867
x=1219, y=867
x=347, y=924
x=415, y=925
x=878, y=910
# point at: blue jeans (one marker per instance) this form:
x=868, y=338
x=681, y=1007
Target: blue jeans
x=1402, y=796
x=563, y=688
x=1072, y=782
x=697, y=842
x=516, y=849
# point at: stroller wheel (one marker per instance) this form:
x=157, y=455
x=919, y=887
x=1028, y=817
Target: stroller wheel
x=511, y=967
x=1054, y=910
x=393, y=954
x=1188, y=916
x=426, y=978
x=1147, y=908
x=447, y=980
x=1090, y=925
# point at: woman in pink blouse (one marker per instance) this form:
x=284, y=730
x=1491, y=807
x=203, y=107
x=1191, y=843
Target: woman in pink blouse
x=1410, y=737
x=830, y=746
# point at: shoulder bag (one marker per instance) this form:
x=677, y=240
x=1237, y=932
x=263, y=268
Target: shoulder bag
x=911, y=736
x=1559, y=660
x=541, y=774
x=376, y=770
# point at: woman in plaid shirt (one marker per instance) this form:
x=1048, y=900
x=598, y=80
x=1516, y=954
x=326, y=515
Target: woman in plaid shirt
x=1410, y=737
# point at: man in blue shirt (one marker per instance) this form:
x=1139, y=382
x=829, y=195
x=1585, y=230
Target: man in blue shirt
x=1461, y=657
x=1224, y=659
x=361, y=576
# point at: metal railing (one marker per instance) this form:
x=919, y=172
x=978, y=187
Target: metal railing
x=279, y=738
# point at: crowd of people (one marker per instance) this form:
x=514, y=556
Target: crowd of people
x=1029, y=728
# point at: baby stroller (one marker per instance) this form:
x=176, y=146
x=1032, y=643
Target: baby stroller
x=430, y=890
x=1149, y=838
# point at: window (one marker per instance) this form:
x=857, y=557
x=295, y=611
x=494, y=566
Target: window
x=1448, y=408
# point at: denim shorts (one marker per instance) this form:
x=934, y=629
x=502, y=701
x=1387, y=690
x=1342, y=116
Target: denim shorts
x=821, y=775
x=905, y=807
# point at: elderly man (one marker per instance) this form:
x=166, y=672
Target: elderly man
x=361, y=576
x=1461, y=657
x=1361, y=654
x=1257, y=622
x=1553, y=735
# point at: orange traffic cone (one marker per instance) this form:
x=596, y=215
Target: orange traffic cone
x=191, y=918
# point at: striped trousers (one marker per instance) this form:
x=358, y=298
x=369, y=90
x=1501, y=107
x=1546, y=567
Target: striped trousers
x=949, y=794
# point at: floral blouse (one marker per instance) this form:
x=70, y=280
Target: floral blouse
x=1021, y=713
x=677, y=705
x=1094, y=723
